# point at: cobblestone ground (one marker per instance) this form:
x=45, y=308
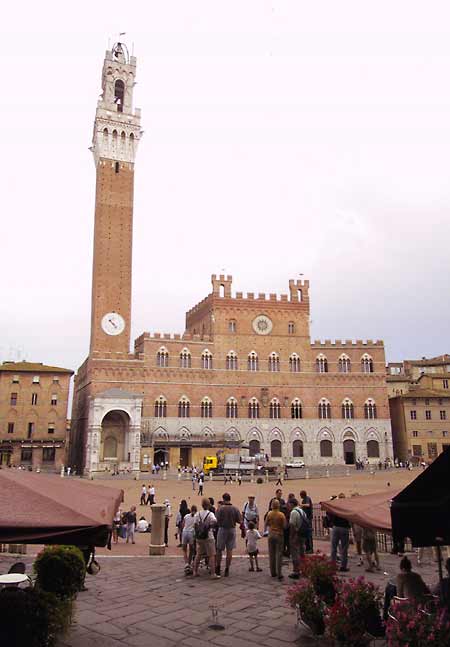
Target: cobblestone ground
x=146, y=601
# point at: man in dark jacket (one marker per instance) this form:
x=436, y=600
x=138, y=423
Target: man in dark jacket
x=340, y=535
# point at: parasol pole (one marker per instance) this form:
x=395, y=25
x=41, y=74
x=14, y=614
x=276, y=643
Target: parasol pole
x=439, y=556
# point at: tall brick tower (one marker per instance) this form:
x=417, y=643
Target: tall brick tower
x=115, y=140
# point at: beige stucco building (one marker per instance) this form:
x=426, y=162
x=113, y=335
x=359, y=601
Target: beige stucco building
x=33, y=414
x=244, y=371
x=419, y=403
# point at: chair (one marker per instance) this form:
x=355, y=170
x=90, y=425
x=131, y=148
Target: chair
x=18, y=567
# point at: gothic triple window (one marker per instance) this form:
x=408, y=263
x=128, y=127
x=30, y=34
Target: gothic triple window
x=207, y=359
x=206, y=408
x=296, y=409
x=162, y=358
x=184, y=408
x=161, y=407
x=252, y=362
x=232, y=408
x=231, y=361
x=370, y=409
x=253, y=408
x=324, y=409
x=366, y=364
x=274, y=408
x=344, y=365
x=321, y=364
x=274, y=362
x=294, y=363
x=347, y=409
x=185, y=359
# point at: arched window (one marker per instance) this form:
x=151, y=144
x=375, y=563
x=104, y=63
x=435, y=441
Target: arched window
x=297, y=449
x=184, y=407
x=110, y=447
x=207, y=359
x=373, y=449
x=366, y=364
x=291, y=328
x=326, y=448
x=294, y=363
x=324, y=409
x=185, y=358
x=347, y=409
x=254, y=447
x=161, y=407
x=344, y=365
x=275, y=448
x=321, y=364
x=206, y=408
x=232, y=325
x=119, y=94
x=274, y=408
x=232, y=408
x=231, y=361
x=162, y=357
x=253, y=408
x=274, y=362
x=370, y=409
x=296, y=409
x=252, y=362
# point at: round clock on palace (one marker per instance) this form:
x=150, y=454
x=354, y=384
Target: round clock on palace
x=113, y=323
x=262, y=325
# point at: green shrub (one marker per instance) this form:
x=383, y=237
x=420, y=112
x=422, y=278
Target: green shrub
x=32, y=618
x=60, y=570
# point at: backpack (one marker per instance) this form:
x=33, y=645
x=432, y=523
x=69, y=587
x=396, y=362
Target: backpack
x=304, y=524
x=201, y=527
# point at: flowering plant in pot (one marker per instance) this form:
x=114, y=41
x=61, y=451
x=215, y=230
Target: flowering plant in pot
x=310, y=608
x=321, y=572
x=355, y=611
x=415, y=627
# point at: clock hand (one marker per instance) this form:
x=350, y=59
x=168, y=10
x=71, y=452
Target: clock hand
x=112, y=322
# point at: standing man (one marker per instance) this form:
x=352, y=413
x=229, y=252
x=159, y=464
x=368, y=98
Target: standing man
x=131, y=524
x=143, y=495
x=227, y=518
x=151, y=495
x=167, y=515
x=307, y=507
x=298, y=529
x=194, y=479
x=282, y=508
x=250, y=512
x=200, y=485
x=340, y=533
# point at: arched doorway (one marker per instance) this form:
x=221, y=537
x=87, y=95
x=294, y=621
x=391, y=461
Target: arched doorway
x=160, y=456
x=254, y=447
x=114, y=446
x=373, y=449
x=275, y=448
x=297, y=449
x=326, y=448
x=349, y=451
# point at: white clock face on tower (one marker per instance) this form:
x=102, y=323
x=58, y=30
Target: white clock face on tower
x=262, y=325
x=113, y=323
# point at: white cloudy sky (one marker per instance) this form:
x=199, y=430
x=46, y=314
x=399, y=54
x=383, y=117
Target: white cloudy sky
x=281, y=137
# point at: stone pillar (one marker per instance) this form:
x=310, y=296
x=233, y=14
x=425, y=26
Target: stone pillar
x=157, y=545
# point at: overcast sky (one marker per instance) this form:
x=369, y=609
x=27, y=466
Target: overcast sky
x=281, y=138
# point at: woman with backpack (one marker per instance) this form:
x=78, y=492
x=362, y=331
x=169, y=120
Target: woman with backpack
x=204, y=521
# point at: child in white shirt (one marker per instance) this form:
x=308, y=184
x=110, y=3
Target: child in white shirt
x=251, y=539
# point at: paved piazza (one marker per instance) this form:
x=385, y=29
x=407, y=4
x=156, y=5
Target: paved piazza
x=139, y=600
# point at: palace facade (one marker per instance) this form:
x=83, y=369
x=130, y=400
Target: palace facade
x=245, y=371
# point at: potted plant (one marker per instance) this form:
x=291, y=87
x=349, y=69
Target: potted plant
x=415, y=627
x=355, y=611
x=310, y=608
x=321, y=572
x=60, y=570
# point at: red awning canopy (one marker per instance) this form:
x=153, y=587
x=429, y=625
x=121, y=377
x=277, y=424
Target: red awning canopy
x=368, y=511
x=48, y=509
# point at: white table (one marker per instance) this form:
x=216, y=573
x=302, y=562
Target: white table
x=13, y=579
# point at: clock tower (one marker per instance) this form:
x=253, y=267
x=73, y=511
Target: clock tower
x=115, y=140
